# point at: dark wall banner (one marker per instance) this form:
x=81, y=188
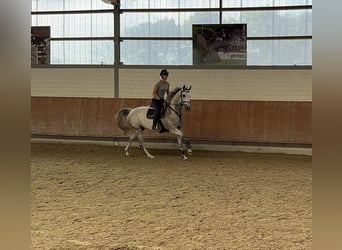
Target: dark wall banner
x=40, y=45
x=219, y=44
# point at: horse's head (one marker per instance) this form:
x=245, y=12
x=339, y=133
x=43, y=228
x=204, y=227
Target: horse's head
x=185, y=97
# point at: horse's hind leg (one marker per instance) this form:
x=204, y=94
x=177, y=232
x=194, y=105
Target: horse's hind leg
x=131, y=138
x=142, y=145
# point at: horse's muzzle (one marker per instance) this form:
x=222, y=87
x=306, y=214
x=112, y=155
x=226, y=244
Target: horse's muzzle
x=187, y=107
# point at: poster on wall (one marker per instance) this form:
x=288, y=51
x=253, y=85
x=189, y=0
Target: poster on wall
x=219, y=44
x=40, y=45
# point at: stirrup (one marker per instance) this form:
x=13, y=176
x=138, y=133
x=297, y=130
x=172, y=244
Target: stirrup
x=155, y=126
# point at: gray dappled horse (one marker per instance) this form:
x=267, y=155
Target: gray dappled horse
x=136, y=120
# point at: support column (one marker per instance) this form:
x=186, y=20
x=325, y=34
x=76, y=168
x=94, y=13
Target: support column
x=116, y=5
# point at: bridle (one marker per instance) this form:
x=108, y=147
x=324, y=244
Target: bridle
x=178, y=112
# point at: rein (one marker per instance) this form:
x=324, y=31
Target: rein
x=178, y=110
x=175, y=111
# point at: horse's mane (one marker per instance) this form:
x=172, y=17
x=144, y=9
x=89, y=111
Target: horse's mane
x=172, y=94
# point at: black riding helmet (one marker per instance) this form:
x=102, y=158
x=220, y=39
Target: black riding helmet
x=164, y=72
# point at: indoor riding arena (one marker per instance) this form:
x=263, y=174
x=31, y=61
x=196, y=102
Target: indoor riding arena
x=246, y=184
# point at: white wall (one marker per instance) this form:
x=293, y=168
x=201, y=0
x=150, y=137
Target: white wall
x=72, y=82
x=210, y=84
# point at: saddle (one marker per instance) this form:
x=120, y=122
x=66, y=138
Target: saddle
x=151, y=114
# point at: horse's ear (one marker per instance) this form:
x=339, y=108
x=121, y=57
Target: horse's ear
x=183, y=86
x=190, y=87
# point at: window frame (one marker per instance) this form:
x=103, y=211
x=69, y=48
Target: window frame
x=117, y=39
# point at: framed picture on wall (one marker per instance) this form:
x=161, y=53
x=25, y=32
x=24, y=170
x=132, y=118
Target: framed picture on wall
x=224, y=44
x=40, y=45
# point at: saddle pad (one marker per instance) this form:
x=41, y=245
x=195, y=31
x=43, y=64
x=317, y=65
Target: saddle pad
x=150, y=113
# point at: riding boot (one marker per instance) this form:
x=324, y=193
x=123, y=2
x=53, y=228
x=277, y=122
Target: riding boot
x=155, y=123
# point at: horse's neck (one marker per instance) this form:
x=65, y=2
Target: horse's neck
x=175, y=104
x=175, y=101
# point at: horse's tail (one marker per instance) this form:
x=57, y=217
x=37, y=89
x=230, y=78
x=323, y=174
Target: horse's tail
x=121, y=119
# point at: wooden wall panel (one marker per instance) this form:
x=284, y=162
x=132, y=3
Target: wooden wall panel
x=250, y=121
x=233, y=121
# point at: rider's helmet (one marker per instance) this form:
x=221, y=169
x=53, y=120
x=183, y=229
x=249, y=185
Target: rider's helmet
x=164, y=72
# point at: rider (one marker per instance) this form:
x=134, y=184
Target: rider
x=160, y=88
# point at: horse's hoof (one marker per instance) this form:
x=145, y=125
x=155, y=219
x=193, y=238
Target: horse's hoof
x=185, y=158
x=189, y=151
x=127, y=154
x=151, y=157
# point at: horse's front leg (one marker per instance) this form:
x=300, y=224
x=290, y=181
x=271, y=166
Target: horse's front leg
x=187, y=144
x=179, y=135
x=180, y=144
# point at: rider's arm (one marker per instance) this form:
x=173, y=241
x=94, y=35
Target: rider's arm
x=154, y=93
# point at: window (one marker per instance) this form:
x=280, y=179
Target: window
x=159, y=32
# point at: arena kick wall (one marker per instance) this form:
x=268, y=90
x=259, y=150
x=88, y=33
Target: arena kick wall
x=235, y=105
